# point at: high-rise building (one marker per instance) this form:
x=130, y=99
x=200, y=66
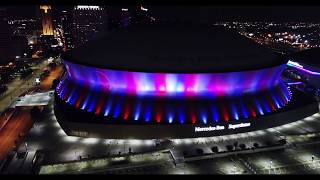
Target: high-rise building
x=122, y=17
x=88, y=21
x=47, y=25
x=5, y=38
x=125, y=17
x=66, y=22
x=140, y=15
x=48, y=40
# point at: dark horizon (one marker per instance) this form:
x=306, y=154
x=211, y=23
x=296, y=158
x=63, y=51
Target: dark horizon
x=243, y=13
x=207, y=13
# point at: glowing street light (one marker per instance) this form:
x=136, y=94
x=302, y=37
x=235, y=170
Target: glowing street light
x=312, y=158
x=143, y=9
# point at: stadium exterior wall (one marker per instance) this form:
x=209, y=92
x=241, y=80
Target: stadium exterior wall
x=115, y=131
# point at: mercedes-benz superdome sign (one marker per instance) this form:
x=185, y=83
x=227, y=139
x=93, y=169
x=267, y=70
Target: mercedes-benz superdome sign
x=221, y=127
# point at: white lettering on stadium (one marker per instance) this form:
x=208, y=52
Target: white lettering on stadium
x=235, y=126
x=210, y=128
x=216, y=128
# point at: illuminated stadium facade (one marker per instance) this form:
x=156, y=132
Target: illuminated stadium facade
x=152, y=82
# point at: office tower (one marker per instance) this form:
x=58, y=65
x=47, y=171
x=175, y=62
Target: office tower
x=5, y=38
x=47, y=25
x=88, y=23
x=66, y=22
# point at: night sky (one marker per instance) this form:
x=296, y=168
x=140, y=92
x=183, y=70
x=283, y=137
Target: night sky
x=213, y=13
x=21, y=11
x=245, y=13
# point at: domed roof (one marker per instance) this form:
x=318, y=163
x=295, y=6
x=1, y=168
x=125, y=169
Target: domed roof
x=174, y=48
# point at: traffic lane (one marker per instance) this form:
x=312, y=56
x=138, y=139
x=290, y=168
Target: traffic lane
x=5, y=117
x=21, y=122
x=54, y=74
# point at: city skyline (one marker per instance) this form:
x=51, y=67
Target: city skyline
x=72, y=26
x=210, y=13
x=143, y=89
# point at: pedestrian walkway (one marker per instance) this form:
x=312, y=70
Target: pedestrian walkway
x=106, y=163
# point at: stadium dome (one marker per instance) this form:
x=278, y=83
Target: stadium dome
x=171, y=80
x=176, y=48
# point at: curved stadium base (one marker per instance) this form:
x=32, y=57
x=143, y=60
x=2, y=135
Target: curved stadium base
x=181, y=90
x=300, y=106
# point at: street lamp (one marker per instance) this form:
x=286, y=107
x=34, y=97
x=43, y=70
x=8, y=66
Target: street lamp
x=75, y=154
x=26, y=145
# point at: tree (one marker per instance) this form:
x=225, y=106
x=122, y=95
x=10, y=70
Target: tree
x=55, y=82
x=282, y=141
x=242, y=146
x=268, y=143
x=199, y=151
x=229, y=147
x=215, y=149
x=52, y=65
x=185, y=153
x=235, y=144
x=35, y=111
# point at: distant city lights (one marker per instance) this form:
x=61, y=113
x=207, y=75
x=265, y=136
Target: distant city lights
x=84, y=7
x=143, y=9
